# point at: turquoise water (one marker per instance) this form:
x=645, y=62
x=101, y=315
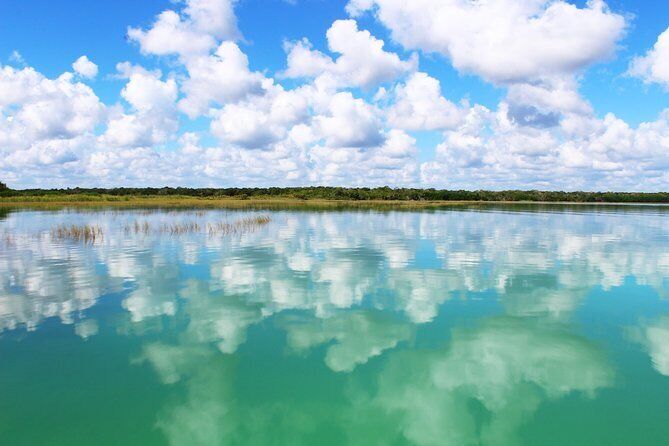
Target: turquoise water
x=497, y=326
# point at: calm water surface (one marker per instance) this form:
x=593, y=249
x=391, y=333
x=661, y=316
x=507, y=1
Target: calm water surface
x=453, y=327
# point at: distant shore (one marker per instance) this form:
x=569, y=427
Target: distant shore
x=312, y=197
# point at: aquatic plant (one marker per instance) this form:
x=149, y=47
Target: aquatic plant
x=244, y=225
x=137, y=228
x=91, y=234
x=83, y=233
x=180, y=228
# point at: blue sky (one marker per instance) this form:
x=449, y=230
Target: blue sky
x=46, y=37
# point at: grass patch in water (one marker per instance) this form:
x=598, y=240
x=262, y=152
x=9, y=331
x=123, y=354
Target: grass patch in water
x=89, y=234
x=80, y=233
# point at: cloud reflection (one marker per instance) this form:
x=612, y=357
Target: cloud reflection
x=358, y=292
x=654, y=337
x=507, y=365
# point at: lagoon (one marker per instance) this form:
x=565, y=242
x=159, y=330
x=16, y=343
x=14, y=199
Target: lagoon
x=495, y=325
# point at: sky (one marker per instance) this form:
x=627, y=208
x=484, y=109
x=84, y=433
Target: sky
x=456, y=94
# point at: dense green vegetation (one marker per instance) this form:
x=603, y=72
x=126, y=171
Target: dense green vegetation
x=3, y=186
x=338, y=193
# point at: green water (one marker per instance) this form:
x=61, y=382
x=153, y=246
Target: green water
x=455, y=327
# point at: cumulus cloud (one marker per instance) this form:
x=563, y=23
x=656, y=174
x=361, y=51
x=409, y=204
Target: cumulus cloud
x=262, y=119
x=362, y=61
x=419, y=105
x=503, y=41
x=392, y=162
x=153, y=118
x=35, y=107
x=146, y=92
x=217, y=79
x=45, y=124
x=536, y=49
x=194, y=31
x=491, y=149
x=559, y=93
x=329, y=129
x=202, y=36
x=349, y=122
x=303, y=61
x=85, y=68
x=654, y=66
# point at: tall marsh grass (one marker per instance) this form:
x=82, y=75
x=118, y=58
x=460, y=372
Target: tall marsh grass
x=137, y=228
x=244, y=225
x=241, y=226
x=93, y=233
x=80, y=233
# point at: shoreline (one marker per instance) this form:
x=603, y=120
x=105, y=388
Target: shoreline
x=279, y=203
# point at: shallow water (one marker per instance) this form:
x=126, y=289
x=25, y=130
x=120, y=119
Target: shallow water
x=451, y=327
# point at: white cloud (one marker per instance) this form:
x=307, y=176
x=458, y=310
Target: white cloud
x=419, y=105
x=492, y=150
x=216, y=17
x=543, y=133
x=17, y=59
x=303, y=61
x=349, y=122
x=197, y=30
x=261, y=120
x=315, y=134
x=169, y=35
x=503, y=41
x=85, y=68
x=43, y=121
x=153, y=119
x=46, y=153
x=217, y=79
x=542, y=103
x=362, y=61
x=146, y=92
x=241, y=125
x=654, y=66
x=393, y=162
x=202, y=36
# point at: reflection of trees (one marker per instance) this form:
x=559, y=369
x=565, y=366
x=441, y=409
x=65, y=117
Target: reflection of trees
x=4, y=212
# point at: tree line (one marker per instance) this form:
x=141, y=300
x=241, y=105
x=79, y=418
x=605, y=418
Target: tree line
x=355, y=194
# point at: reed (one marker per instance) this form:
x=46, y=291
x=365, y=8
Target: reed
x=91, y=234
x=81, y=233
x=180, y=228
x=243, y=225
x=137, y=228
